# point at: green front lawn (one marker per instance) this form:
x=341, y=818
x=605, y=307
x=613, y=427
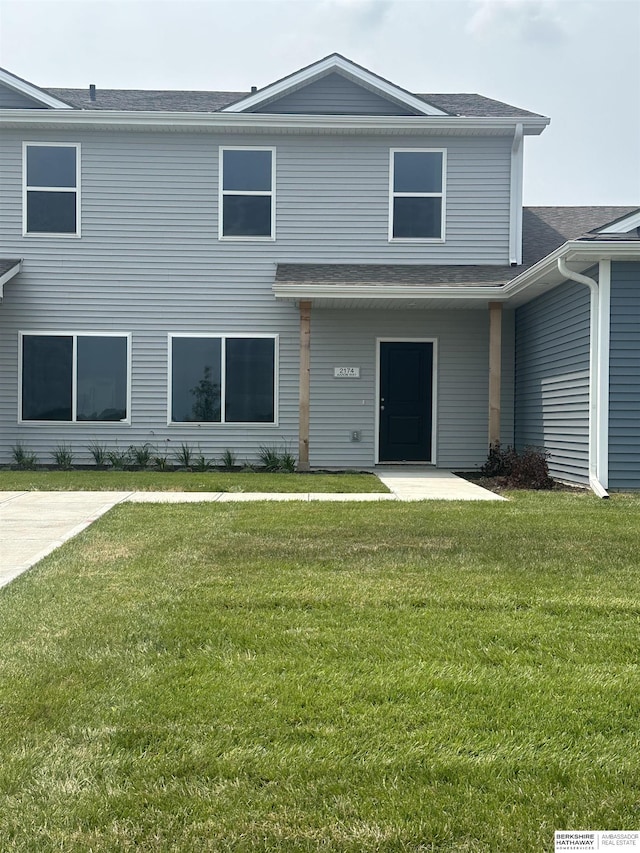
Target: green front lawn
x=186, y=481
x=353, y=677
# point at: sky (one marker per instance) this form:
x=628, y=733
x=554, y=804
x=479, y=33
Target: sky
x=576, y=62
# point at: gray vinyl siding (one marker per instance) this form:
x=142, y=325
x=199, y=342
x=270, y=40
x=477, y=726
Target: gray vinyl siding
x=552, y=379
x=340, y=406
x=334, y=94
x=624, y=377
x=149, y=263
x=12, y=100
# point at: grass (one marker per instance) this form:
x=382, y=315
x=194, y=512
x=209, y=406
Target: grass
x=184, y=481
x=389, y=677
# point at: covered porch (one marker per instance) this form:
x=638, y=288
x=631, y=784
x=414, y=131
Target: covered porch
x=401, y=364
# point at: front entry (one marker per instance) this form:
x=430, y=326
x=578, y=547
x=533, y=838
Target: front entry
x=406, y=401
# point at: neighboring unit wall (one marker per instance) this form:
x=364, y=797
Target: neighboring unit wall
x=624, y=377
x=552, y=379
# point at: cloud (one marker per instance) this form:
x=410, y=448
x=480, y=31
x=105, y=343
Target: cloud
x=364, y=15
x=534, y=21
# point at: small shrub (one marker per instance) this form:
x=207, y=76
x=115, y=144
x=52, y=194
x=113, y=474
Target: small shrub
x=184, y=456
x=228, y=460
x=274, y=459
x=26, y=460
x=499, y=461
x=141, y=456
x=119, y=459
x=288, y=461
x=63, y=456
x=161, y=462
x=201, y=463
x=99, y=453
x=269, y=457
x=530, y=470
x=525, y=470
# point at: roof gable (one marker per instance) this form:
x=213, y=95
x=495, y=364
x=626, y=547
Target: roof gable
x=334, y=64
x=26, y=95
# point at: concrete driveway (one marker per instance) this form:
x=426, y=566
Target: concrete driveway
x=32, y=524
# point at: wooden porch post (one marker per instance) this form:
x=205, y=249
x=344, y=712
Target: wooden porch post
x=495, y=370
x=305, y=351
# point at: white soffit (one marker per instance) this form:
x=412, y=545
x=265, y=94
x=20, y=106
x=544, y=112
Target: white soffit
x=326, y=66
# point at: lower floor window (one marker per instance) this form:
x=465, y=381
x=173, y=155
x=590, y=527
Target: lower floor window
x=222, y=379
x=74, y=377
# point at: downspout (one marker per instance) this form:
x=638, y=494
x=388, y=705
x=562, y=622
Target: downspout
x=594, y=372
x=515, y=200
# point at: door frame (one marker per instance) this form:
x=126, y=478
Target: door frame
x=434, y=396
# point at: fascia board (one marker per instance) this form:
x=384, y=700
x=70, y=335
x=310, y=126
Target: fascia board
x=171, y=121
x=381, y=291
x=326, y=66
x=576, y=251
x=572, y=251
x=31, y=91
x=9, y=275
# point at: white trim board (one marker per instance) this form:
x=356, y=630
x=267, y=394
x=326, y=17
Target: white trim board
x=328, y=65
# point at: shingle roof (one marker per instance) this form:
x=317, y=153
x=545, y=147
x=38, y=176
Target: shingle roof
x=211, y=102
x=7, y=264
x=383, y=274
x=147, y=99
x=474, y=105
x=544, y=229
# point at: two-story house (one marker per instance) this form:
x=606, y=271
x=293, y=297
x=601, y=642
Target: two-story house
x=330, y=262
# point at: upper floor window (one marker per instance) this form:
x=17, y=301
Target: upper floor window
x=51, y=188
x=417, y=202
x=247, y=197
x=74, y=377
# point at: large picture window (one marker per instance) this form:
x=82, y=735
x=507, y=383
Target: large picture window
x=222, y=379
x=51, y=189
x=247, y=198
x=417, y=194
x=74, y=377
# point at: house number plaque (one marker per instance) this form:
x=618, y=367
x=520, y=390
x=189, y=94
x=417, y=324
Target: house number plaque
x=346, y=372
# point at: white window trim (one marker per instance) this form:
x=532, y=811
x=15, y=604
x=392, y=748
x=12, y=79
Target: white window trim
x=25, y=188
x=434, y=395
x=222, y=193
x=442, y=195
x=74, y=376
x=222, y=337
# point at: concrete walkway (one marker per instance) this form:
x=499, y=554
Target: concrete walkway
x=32, y=524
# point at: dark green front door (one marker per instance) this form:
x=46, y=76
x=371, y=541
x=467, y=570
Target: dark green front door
x=406, y=394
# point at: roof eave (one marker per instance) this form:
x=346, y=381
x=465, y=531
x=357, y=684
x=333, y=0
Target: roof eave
x=578, y=252
x=160, y=120
x=8, y=275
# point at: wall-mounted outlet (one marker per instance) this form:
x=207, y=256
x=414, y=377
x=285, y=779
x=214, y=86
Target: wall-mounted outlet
x=355, y=435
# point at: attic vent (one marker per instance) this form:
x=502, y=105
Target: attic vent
x=254, y=89
x=92, y=91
